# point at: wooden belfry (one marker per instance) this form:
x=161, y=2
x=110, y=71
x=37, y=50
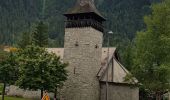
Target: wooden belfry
x=84, y=14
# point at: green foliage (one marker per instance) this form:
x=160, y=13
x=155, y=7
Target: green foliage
x=40, y=69
x=17, y=17
x=127, y=55
x=3, y=55
x=40, y=35
x=8, y=69
x=124, y=18
x=25, y=40
x=152, y=57
x=58, y=71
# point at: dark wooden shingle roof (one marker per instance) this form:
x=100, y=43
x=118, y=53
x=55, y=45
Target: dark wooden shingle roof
x=84, y=6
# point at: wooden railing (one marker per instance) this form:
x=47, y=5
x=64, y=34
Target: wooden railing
x=84, y=23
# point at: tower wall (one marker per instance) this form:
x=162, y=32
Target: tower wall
x=82, y=50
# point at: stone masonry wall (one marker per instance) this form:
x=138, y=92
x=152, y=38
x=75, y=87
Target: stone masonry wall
x=119, y=92
x=83, y=48
x=16, y=91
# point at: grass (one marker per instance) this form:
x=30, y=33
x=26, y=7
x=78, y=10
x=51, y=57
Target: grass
x=9, y=98
x=13, y=98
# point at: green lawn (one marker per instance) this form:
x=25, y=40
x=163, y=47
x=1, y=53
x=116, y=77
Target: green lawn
x=13, y=98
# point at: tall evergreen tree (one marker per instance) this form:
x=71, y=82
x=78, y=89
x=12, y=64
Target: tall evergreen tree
x=152, y=56
x=40, y=35
x=25, y=40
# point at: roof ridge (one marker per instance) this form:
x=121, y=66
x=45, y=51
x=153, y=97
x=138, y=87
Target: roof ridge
x=84, y=6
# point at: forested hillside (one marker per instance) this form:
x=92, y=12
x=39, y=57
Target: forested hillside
x=124, y=18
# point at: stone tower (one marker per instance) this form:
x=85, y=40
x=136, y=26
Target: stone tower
x=82, y=50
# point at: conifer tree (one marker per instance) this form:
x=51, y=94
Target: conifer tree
x=40, y=35
x=25, y=40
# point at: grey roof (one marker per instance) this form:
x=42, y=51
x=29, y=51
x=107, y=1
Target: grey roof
x=116, y=73
x=84, y=6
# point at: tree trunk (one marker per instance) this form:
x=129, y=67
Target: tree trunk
x=158, y=96
x=55, y=94
x=3, y=92
x=41, y=93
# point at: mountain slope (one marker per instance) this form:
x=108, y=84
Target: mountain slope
x=124, y=18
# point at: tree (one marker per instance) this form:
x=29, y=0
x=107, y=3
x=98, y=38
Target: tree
x=40, y=35
x=40, y=69
x=8, y=71
x=127, y=55
x=59, y=73
x=25, y=40
x=3, y=55
x=152, y=56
